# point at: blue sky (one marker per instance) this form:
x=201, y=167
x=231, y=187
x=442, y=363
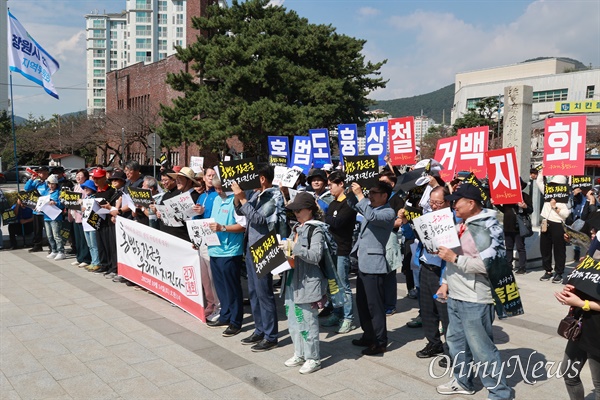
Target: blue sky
x=425, y=42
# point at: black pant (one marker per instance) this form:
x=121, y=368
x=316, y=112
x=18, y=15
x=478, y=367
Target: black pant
x=107, y=248
x=512, y=239
x=432, y=311
x=370, y=301
x=83, y=251
x=17, y=229
x=406, y=269
x=553, y=239
x=391, y=289
x=38, y=230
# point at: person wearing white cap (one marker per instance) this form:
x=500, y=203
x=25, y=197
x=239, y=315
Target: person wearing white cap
x=53, y=226
x=552, y=239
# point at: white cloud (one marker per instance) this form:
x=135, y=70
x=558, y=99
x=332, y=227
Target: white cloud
x=445, y=45
x=276, y=2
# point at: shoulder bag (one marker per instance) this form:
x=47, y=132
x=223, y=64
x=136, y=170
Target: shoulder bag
x=570, y=327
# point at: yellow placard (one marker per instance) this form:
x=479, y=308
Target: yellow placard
x=576, y=107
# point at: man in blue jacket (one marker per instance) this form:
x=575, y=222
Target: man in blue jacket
x=38, y=184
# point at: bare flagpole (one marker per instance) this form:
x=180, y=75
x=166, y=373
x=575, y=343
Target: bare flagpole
x=12, y=120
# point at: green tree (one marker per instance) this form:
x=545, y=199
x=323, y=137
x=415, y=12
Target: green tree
x=261, y=70
x=481, y=115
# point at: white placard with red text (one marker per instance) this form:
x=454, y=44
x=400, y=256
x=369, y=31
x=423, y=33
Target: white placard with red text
x=472, y=145
x=401, y=136
x=162, y=263
x=446, y=153
x=564, y=146
x=503, y=176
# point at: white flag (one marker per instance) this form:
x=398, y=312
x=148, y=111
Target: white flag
x=28, y=58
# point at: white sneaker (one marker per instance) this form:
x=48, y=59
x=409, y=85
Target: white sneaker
x=294, y=361
x=60, y=256
x=346, y=326
x=310, y=366
x=83, y=264
x=214, y=316
x=453, y=387
x=75, y=263
x=52, y=255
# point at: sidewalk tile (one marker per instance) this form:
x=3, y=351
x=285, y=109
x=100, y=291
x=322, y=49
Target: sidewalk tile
x=88, y=386
x=160, y=372
x=36, y=385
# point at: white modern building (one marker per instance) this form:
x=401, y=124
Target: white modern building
x=4, y=99
x=554, y=81
x=422, y=124
x=147, y=31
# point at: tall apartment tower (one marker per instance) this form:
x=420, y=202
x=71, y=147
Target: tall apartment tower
x=4, y=102
x=147, y=31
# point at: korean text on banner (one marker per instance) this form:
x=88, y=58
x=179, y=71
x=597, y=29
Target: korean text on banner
x=301, y=153
x=564, y=146
x=582, y=182
x=197, y=164
x=163, y=264
x=267, y=256
x=320, y=147
x=363, y=170
x=347, y=140
x=446, y=153
x=437, y=229
x=401, y=133
x=28, y=58
x=503, y=174
x=279, y=150
x=377, y=141
x=243, y=171
x=472, y=145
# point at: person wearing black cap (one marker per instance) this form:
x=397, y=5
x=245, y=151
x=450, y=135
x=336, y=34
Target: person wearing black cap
x=63, y=182
x=317, y=179
x=38, y=183
x=471, y=296
x=377, y=224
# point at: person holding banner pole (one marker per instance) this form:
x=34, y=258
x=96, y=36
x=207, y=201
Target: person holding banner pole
x=260, y=209
x=226, y=261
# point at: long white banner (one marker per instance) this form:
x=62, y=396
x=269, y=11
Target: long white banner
x=161, y=263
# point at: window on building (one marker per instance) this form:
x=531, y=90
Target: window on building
x=162, y=31
x=143, y=56
x=99, y=23
x=162, y=45
x=114, y=35
x=99, y=83
x=179, y=19
x=99, y=92
x=174, y=158
x=99, y=102
x=143, y=4
x=99, y=53
x=162, y=56
x=114, y=44
x=143, y=17
x=143, y=43
x=99, y=43
x=162, y=5
x=179, y=43
x=178, y=4
x=550, y=96
x=99, y=72
x=114, y=64
x=162, y=19
x=143, y=30
x=99, y=64
x=179, y=32
x=97, y=33
x=589, y=92
x=471, y=103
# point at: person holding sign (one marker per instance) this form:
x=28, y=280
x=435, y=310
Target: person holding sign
x=57, y=246
x=472, y=281
x=83, y=257
x=317, y=179
x=226, y=260
x=305, y=285
x=260, y=212
x=89, y=190
x=554, y=214
x=23, y=224
x=376, y=227
x=37, y=182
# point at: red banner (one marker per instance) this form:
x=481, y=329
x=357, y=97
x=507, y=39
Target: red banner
x=564, y=146
x=503, y=176
x=472, y=145
x=401, y=133
x=446, y=153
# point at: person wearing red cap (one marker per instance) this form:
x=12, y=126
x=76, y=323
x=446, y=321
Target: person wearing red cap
x=106, y=236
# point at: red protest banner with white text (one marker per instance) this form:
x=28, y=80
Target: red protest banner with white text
x=401, y=134
x=472, y=145
x=564, y=146
x=162, y=263
x=503, y=176
x=445, y=153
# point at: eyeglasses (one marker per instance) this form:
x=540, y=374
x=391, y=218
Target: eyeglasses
x=436, y=203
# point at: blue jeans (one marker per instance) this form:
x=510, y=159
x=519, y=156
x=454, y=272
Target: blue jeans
x=262, y=301
x=472, y=348
x=90, y=238
x=54, y=238
x=226, y=278
x=343, y=270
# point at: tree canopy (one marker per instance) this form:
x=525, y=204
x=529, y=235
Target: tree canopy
x=482, y=115
x=262, y=70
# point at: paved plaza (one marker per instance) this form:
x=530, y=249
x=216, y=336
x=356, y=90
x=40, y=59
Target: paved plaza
x=70, y=334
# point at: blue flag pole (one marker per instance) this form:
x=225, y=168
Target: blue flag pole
x=12, y=120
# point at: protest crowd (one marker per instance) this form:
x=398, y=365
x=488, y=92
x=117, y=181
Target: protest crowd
x=322, y=231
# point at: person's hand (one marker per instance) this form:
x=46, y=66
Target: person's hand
x=446, y=254
x=522, y=204
x=356, y=188
x=569, y=299
x=567, y=238
x=553, y=203
x=215, y=227
x=198, y=209
x=237, y=191
x=590, y=196
x=568, y=288
x=442, y=292
x=576, y=191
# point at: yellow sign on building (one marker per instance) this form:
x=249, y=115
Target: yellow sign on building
x=577, y=107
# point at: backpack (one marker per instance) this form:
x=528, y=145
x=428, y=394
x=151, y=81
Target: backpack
x=328, y=265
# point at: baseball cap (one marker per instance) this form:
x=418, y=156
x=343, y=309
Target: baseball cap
x=467, y=191
x=99, y=173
